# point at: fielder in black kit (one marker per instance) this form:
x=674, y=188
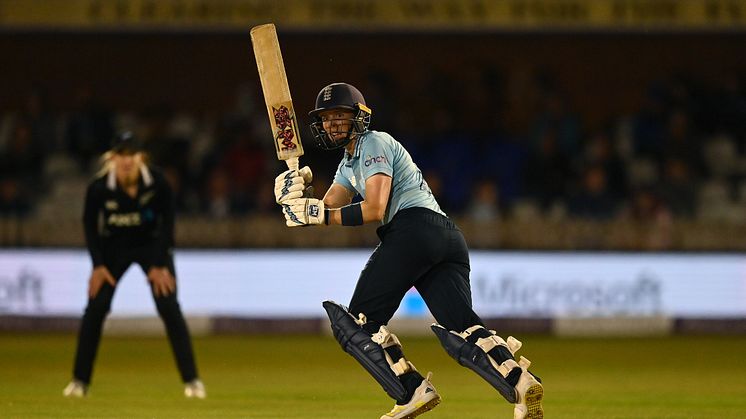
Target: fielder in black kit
x=129, y=218
x=420, y=247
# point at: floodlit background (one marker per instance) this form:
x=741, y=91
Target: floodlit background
x=593, y=153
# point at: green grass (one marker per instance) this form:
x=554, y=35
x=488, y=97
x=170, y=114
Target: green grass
x=310, y=377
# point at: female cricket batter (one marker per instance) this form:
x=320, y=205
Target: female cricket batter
x=135, y=204
x=420, y=246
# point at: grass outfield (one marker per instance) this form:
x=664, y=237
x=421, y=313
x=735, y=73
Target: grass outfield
x=310, y=377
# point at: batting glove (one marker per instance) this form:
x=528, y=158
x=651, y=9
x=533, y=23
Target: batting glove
x=292, y=184
x=303, y=212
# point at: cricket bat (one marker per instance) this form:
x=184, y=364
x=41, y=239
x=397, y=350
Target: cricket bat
x=282, y=118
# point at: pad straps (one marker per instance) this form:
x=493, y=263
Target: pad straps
x=387, y=339
x=489, y=343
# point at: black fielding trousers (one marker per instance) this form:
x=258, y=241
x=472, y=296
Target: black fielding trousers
x=424, y=249
x=98, y=308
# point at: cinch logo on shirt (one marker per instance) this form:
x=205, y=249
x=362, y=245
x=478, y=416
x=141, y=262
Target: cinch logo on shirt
x=377, y=159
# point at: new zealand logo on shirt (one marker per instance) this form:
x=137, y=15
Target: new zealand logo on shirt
x=146, y=197
x=111, y=205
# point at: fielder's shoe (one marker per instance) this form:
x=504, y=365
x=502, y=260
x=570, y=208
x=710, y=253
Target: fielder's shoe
x=76, y=388
x=195, y=389
x=530, y=392
x=425, y=398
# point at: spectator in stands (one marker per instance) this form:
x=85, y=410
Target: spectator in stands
x=21, y=165
x=649, y=212
x=484, y=205
x=244, y=162
x=89, y=123
x=678, y=190
x=556, y=119
x=681, y=143
x=593, y=201
x=12, y=200
x=42, y=123
x=547, y=173
x=600, y=151
x=649, y=125
x=217, y=200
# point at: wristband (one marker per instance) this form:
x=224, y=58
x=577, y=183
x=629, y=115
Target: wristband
x=352, y=215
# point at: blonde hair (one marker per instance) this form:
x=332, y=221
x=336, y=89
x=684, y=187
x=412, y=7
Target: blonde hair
x=107, y=161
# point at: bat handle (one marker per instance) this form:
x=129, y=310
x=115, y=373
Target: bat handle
x=292, y=163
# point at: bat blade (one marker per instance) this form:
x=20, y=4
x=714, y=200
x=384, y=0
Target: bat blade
x=276, y=91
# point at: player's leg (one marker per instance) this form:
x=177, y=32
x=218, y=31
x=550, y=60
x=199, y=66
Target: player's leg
x=89, y=333
x=177, y=331
x=464, y=337
x=379, y=290
x=403, y=255
x=447, y=293
x=381, y=354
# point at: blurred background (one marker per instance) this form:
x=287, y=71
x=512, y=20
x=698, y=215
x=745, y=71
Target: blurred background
x=548, y=127
x=555, y=125
x=592, y=151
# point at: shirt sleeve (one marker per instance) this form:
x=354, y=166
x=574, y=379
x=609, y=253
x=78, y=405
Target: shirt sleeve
x=342, y=179
x=91, y=211
x=376, y=156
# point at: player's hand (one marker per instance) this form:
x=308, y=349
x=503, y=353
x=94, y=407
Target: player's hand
x=164, y=283
x=292, y=184
x=99, y=275
x=303, y=211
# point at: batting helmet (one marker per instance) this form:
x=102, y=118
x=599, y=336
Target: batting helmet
x=339, y=96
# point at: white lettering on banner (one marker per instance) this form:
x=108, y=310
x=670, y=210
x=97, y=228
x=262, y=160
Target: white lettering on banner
x=22, y=292
x=260, y=283
x=511, y=295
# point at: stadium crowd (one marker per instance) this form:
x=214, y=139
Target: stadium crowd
x=681, y=154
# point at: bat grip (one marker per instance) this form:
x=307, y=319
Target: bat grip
x=292, y=163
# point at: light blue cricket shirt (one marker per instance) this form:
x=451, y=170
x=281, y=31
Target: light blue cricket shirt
x=378, y=152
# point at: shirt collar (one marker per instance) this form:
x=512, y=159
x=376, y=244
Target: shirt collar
x=356, y=154
x=145, y=177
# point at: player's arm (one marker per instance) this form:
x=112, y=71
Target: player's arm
x=164, y=235
x=337, y=196
x=91, y=209
x=159, y=275
x=372, y=209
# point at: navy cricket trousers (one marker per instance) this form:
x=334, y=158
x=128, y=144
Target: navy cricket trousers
x=89, y=335
x=424, y=249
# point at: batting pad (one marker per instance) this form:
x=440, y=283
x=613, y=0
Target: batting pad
x=473, y=357
x=358, y=343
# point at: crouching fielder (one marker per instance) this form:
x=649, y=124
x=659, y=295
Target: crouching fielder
x=129, y=218
x=420, y=246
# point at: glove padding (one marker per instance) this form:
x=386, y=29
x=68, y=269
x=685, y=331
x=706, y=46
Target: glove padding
x=303, y=212
x=292, y=184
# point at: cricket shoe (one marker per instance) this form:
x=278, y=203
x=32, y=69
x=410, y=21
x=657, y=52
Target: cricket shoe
x=425, y=398
x=530, y=393
x=195, y=389
x=76, y=388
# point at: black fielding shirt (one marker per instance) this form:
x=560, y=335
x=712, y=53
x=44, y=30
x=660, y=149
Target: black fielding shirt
x=114, y=221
